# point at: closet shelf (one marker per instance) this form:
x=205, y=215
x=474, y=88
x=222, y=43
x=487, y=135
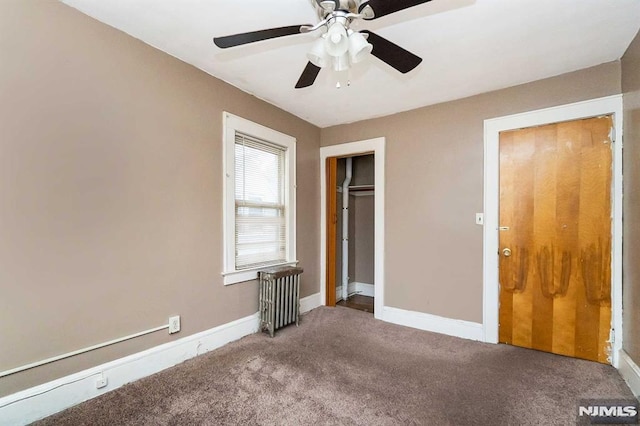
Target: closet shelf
x=362, y=188
x=356, y=188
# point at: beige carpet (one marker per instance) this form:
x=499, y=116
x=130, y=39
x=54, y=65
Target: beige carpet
x=342, y=367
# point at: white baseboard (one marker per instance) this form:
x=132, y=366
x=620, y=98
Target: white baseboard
x=356, y=287
x=451, y=327
x=630, y=372
x=310, y=302
x=364, y=289
x=44, y=400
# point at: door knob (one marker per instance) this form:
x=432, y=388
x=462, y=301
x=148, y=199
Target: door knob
x=506, y=252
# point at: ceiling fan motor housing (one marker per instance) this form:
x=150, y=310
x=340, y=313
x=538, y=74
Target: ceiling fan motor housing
x=327, y=7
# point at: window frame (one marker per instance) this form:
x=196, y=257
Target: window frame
x=231, y=125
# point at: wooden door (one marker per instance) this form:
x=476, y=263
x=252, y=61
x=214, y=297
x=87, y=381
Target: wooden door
x=332, y=220
x=555, y=238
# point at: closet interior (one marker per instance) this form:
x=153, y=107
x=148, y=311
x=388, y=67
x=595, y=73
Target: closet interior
x=354, y=239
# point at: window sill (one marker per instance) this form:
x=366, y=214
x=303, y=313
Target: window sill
x=235, y=277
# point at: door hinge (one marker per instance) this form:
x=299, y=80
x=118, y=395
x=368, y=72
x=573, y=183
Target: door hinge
x=612, y=135
x=612, y=336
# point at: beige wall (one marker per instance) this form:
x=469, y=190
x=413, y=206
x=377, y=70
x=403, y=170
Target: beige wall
x=362, y=223
x=631, y=214
x=363, y=170
x=111, y=192
x=353, y=215
x=434, y=172
x=363, y=234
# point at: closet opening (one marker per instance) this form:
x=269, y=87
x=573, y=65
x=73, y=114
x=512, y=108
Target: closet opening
x=350, y=232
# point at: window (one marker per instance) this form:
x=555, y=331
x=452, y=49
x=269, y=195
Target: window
x=259, y=198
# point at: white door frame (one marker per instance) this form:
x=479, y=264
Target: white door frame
x=375, y=146
x=492, y=129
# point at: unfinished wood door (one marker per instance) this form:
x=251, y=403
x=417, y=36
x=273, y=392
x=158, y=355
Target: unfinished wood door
x=555, y=238
x=332, y=220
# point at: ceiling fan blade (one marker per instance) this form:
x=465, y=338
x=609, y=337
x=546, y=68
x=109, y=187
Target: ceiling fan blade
x=385, y=7
x=394, y=55
x=251, y=37
x=308, y=76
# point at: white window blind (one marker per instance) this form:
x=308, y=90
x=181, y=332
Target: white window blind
x=260, y=216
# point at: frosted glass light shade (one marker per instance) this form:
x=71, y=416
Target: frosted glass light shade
x=318, y=55
x=337, y=40
x=341, y=63
x=359, y=49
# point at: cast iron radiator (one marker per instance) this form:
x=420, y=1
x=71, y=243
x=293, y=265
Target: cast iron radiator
x=279, y=297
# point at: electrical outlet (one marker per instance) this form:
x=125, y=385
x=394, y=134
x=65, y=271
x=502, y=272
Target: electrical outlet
x=101, y=382
x=174, y=324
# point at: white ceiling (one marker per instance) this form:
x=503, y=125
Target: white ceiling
x=468, y=47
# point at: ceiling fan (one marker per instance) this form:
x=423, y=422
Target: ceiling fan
x=339, y=46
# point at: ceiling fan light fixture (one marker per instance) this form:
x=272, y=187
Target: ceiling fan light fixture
x=318, y=55
x=341, y=63
x=337, y=40
x=359, y=49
